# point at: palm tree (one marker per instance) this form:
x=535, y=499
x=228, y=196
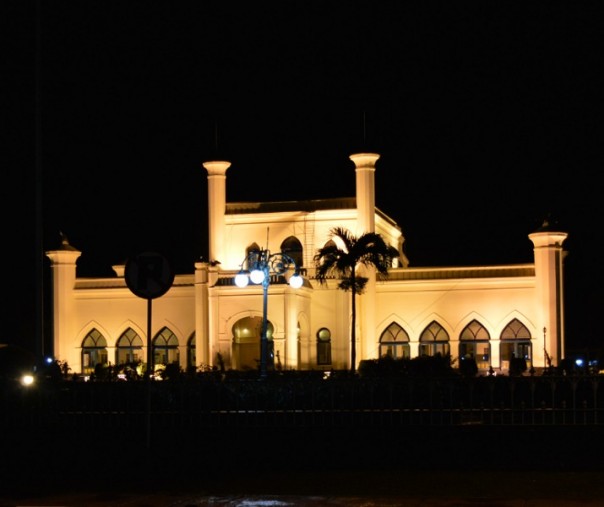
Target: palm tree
x=331, y=261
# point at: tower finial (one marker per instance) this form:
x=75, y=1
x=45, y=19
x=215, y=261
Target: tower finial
x=64, y=240
x=364, y=128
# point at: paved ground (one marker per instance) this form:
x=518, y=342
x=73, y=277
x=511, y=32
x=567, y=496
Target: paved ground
x=429, y=467
x=296, y=501
x=444, y=488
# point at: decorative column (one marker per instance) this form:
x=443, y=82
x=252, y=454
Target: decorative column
x=291, y=359
x=202, y=332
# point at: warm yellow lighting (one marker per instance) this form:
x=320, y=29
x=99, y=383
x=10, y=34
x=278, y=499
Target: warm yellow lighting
x=27, y=380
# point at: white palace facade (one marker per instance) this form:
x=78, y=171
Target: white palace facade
x=204, y=320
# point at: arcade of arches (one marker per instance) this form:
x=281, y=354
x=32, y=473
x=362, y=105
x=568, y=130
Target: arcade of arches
x=474, y=341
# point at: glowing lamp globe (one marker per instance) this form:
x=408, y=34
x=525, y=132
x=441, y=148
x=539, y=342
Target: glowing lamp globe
x=257, y=276
x=241, y=280
x=295, y=281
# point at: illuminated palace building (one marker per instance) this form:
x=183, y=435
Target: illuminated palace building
x=493, y=313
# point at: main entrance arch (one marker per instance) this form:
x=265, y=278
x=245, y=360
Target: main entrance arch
x=246, y=343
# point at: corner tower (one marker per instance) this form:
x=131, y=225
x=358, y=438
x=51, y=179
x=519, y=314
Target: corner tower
x=549, y=287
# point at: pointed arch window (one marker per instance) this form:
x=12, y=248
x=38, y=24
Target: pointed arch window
x=165, y=348
x=434, y=340
x=129, y=348
x=515, y=330
x=394, y=342
x=475, y=343
x=515, y=343
x=94, y=351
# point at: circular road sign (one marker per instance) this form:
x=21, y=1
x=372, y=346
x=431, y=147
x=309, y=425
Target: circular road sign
x=148, y=275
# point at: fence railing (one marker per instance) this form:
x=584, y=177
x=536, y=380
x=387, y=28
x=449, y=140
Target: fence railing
x=211, y=403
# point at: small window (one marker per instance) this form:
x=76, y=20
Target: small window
x=323, y=346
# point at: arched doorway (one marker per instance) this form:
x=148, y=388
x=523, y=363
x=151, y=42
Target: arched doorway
x=246, y=343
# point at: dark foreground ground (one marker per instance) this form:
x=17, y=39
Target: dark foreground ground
x=438, y=488
x=428, y=466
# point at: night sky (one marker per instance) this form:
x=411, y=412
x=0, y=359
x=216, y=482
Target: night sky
x=487, y=116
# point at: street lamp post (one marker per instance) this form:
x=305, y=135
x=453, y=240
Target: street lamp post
x=261, y=264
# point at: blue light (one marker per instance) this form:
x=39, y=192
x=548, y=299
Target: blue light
x=48, y=360
x=579, y=362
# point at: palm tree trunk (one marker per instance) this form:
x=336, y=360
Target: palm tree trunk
x=353, y=337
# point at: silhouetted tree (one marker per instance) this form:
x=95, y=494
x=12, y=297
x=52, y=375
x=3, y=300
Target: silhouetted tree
x=369, y=250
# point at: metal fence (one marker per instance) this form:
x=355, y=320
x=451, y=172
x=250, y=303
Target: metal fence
x=212, y=402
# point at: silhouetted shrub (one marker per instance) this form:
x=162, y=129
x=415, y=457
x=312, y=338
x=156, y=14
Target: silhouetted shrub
x=517, y=366
x=438, y=365
x=468, y=366
x=172, y=371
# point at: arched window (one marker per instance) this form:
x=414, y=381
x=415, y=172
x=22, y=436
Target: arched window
x=291, y=246
x=129, y=347
x=474, y=342
x=323, y=346
x=191, y=353
x=165, y=348
x=394, y=342
x=94, y=351
x=434, y=340
x=249, y=259
x=515, y=343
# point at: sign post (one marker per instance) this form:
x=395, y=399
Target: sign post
x=148, y=276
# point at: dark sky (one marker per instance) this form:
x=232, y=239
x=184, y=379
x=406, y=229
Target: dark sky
x=487, y=116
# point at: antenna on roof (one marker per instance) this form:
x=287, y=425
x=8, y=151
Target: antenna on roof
x=364, y=129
